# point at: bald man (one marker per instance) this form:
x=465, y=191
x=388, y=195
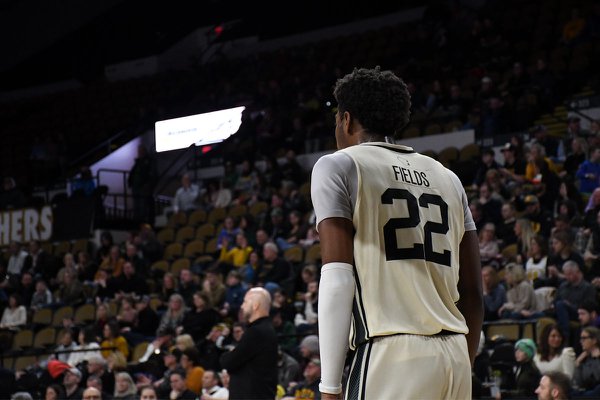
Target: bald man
x=252, y=364
x=91, y=393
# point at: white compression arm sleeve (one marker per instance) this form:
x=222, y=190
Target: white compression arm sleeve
x=336, y=292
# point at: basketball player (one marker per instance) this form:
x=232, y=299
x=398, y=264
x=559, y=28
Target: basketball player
x=401, y=273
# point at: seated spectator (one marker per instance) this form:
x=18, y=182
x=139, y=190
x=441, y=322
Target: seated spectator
x=187, y=286
x=238, y=254
x=248, y=270
x=42, y=296
x=186, y=197
x=147, y=319
x=213, y=286
x=286, y=331
x=173, y=317
x=571, y=293
x=536, y=263
x=488, y=245
x=179, y=390
x=168, y=287
x=579, y=153
x=14, y=316
x=234, y=295
x=129, y=282
x=562, y=252
x=87, y=341
x=486, y=163
x=71, y=380
x=199, y=320
x=190, y=360
x=66, y=343
x=16, y=260
x=586, y=379
x=273, y=269
x=125, y=388
x=210, y=387
x=127, y=316
x=296, y=233
x=306, y=320
x=553, y=355
x=588, y=172
x=538, y=214
x=554, y=386
x=113, y=262
x=588, y=315
x=229, y=232
x=68, y=265
x=527, y=374
x=99, y=368
x=283, y=302
x=70, y=291
x=308, y=388
x=520, y=297
x=113, y=341
x=494, y=293
x=85, y=268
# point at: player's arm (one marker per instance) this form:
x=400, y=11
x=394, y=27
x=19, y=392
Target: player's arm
x=336, y=293
x=470, y=290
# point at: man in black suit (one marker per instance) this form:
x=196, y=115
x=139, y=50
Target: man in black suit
x=252, y=364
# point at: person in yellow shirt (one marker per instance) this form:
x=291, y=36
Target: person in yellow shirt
x=238, y=255
x=113, y=340
x=193, y=371
x=532, y=170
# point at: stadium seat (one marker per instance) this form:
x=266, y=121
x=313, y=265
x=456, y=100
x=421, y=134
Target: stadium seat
x=172, y=251
x=205, y=231
x=179, y=264
x=196, y=218
x=23, y=362
x=41, y=317
x=166, y=236
x=61, y=248
x=294, y=254
x=22, y=340
x=185, y=234
x=211, y=247
x=138, y=351
x=313, y=254
x=45, y=338
x=177, y=220
x=448, y=155
x=258, y=208
x=469, y=152
x=59, y=314
x=217, y=215
x=84, y=314
x=80, y=245
x=237, y=211
x=160, y=267
x=193, y=249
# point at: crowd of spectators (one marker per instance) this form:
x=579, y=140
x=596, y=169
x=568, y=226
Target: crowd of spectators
x=537, y=210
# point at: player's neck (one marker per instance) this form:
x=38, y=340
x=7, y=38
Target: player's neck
x=368, y=138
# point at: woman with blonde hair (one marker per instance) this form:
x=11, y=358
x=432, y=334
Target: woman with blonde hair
x=173, y=317
x=520, y=297
x=125, y=388
x=184, y=342
x=524, y=232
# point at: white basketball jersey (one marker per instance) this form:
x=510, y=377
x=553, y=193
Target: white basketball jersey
x=409, y=222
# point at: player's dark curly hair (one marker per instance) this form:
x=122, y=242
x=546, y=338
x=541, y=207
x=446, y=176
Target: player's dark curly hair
x=378, y=99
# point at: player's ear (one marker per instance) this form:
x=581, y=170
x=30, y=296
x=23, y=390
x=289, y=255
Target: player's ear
x=347, y=123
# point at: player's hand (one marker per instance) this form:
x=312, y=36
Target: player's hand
x=329, y=396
